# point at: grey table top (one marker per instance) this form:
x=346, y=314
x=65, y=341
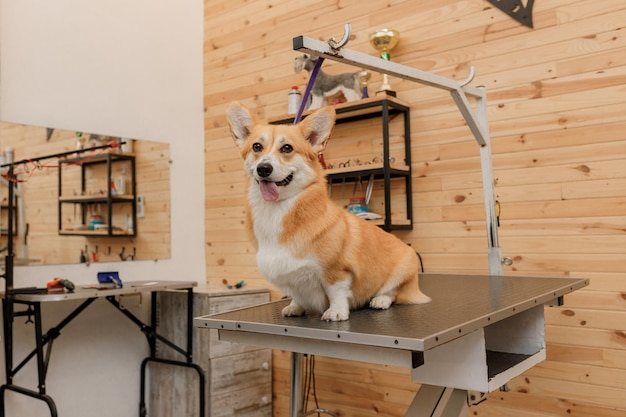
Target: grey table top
x=92, y=291
x=461, y=304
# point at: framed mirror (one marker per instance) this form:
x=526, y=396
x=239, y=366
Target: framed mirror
x=58, y=201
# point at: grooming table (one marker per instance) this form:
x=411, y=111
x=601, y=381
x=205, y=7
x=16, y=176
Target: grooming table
x=478, y=333
x=33, y=302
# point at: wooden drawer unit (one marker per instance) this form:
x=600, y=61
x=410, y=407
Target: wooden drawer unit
x=250, y=402
x=238, y=377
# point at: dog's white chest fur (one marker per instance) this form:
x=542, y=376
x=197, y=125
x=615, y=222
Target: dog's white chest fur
x=298, y=277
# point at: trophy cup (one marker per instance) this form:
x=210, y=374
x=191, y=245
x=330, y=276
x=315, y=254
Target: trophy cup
x=364, y=77
x=384, y=40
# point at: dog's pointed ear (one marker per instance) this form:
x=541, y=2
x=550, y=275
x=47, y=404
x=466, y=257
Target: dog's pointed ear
x=317, y=127
x=240, y=121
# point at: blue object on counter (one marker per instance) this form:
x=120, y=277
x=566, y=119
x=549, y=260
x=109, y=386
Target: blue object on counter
x=106, y=277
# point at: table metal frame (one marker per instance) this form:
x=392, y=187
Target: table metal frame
x=44, y=341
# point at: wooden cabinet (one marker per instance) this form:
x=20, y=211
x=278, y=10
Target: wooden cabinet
x=238, y=377
x=97, y=195
x=384, y=167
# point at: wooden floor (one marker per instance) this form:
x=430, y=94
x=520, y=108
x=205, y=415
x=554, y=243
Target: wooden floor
x=557, y=111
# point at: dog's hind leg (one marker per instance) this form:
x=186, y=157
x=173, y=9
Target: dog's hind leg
x=382, y=302
x=293, y=309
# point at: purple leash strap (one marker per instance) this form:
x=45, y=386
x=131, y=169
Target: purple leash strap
x=307, y=91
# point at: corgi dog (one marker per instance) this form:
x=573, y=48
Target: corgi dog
x=328, y=260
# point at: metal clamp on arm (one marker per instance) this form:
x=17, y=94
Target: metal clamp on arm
x=336, y=46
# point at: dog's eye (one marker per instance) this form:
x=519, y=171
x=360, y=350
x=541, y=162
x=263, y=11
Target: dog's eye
x=257, y=147
x=286, y=148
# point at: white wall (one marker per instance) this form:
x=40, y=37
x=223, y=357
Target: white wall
x=122, y=68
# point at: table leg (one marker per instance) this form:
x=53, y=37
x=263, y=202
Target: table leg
x=295, y=401
x=7, y=321
x=152, y=335
x=433, y=401
x=42, y=363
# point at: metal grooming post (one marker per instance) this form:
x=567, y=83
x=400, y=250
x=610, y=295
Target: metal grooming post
x=477, y=123
x=476, y=119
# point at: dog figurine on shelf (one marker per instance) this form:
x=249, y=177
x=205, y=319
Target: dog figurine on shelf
x=326, y=86
x=329, y=261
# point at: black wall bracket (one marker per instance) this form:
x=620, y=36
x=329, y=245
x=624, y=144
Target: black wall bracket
x=519, y=11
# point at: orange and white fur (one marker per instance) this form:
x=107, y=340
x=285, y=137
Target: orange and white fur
x=328, y=260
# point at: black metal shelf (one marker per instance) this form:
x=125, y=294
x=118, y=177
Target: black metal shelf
x=108, y=198
x=353, y=173
x=126, y=198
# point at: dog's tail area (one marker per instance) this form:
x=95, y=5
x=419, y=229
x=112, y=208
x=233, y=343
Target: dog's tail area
x=410, y=293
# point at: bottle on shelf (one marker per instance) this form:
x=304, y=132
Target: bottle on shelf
x=130, y=226
x=120, y=185
x=294, y=98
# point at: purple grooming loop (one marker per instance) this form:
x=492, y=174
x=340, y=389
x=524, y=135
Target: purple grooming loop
x=307, y=91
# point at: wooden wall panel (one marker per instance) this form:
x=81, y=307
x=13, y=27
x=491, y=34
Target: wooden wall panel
x=558, y=126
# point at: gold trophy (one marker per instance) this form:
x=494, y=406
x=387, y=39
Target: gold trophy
x=364, y=77
x=384, y=40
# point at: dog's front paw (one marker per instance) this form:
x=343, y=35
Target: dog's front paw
x=382, y=302
x=293, y=310
x=335, y=315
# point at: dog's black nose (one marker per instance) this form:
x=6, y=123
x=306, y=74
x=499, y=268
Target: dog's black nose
x=264, y=170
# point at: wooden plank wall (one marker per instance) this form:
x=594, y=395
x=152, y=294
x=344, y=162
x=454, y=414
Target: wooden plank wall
x=45, y=245
x=558, y=123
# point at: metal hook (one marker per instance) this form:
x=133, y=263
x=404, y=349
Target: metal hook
x=336, y=46
x=470, y=77
x=125, y=257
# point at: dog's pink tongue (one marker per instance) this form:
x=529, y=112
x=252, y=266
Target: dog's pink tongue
x=269, y=190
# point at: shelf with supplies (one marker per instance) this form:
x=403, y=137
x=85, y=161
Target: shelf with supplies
x=386, y=167
x=96, y=199
x=366, y=169
x=97, y=196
